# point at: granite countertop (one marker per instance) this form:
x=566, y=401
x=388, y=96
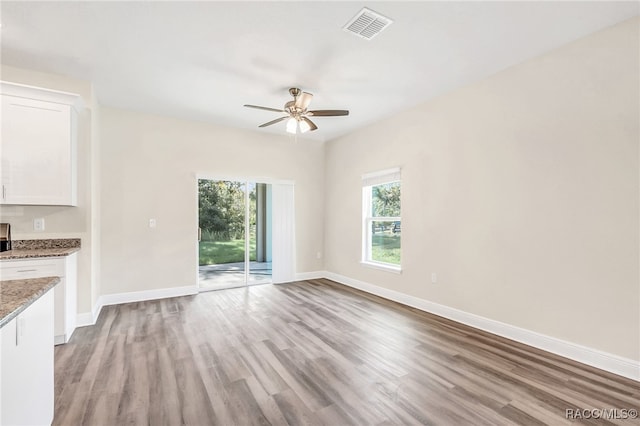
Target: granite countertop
x=17, y=295
x=44, y=252
x=26, y=249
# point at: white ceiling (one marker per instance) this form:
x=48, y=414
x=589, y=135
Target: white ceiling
x=204, y=60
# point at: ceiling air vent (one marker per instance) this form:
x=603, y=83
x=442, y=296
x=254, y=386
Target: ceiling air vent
x=367, y=24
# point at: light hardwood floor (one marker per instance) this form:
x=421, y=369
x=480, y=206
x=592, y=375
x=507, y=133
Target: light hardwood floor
x=313, y=352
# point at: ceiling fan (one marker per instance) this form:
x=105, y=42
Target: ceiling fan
x=298, y=114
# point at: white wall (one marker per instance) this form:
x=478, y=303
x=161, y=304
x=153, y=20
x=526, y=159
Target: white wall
x=521, y=191
x=95, y=202
x=63, y=222
x=148, y=167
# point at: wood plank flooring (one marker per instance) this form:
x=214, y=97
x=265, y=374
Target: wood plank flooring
x=314, y=353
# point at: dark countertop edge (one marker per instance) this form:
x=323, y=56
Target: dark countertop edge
x=39, y=253
x=29, y=301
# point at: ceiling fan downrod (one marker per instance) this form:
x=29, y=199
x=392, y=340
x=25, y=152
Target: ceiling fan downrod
x=295, y=92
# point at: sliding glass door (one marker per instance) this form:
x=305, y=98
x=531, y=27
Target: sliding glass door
x=259, y=270
x=234, y=233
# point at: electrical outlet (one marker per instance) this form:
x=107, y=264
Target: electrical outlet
x=152, y=223
x=434, y=278
x=38, y=224
x=319, y=255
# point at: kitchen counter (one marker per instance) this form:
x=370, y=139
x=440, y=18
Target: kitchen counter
x=27, y=249
x=17, y=295
x=31, y=259
x=37, y=252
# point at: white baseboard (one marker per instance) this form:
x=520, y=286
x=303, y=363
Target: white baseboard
x=141, y=296
x=86, y=318
x=310, y=275
x=90, y=318
x=605, y=361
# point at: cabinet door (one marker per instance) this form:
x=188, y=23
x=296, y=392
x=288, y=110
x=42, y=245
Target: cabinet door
x=36, y=152
x=64, y=293
x=26, y=386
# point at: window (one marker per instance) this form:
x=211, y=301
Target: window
x=382, y=222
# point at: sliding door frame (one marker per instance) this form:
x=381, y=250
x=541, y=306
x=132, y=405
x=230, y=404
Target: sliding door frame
x=244, y=180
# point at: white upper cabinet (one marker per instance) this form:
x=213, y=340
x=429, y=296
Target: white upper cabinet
x=38, y=146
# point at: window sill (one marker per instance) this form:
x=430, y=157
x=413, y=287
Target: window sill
x=382, y=266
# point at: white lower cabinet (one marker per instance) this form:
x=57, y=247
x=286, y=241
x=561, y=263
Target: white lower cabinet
x=26, y=366
x=65, y=293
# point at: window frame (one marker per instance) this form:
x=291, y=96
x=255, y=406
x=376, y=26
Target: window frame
x=369, y=181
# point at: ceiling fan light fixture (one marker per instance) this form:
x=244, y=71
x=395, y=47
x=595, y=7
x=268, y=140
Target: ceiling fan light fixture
x=292, y=125
x=304, y=127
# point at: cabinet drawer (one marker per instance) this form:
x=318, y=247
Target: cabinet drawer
x=23, y=269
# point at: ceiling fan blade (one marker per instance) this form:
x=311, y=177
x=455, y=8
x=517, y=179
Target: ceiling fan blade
x=303, y=100
x=264, y=108
x=277, y=120
x=311, y=124
x=329, y=112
